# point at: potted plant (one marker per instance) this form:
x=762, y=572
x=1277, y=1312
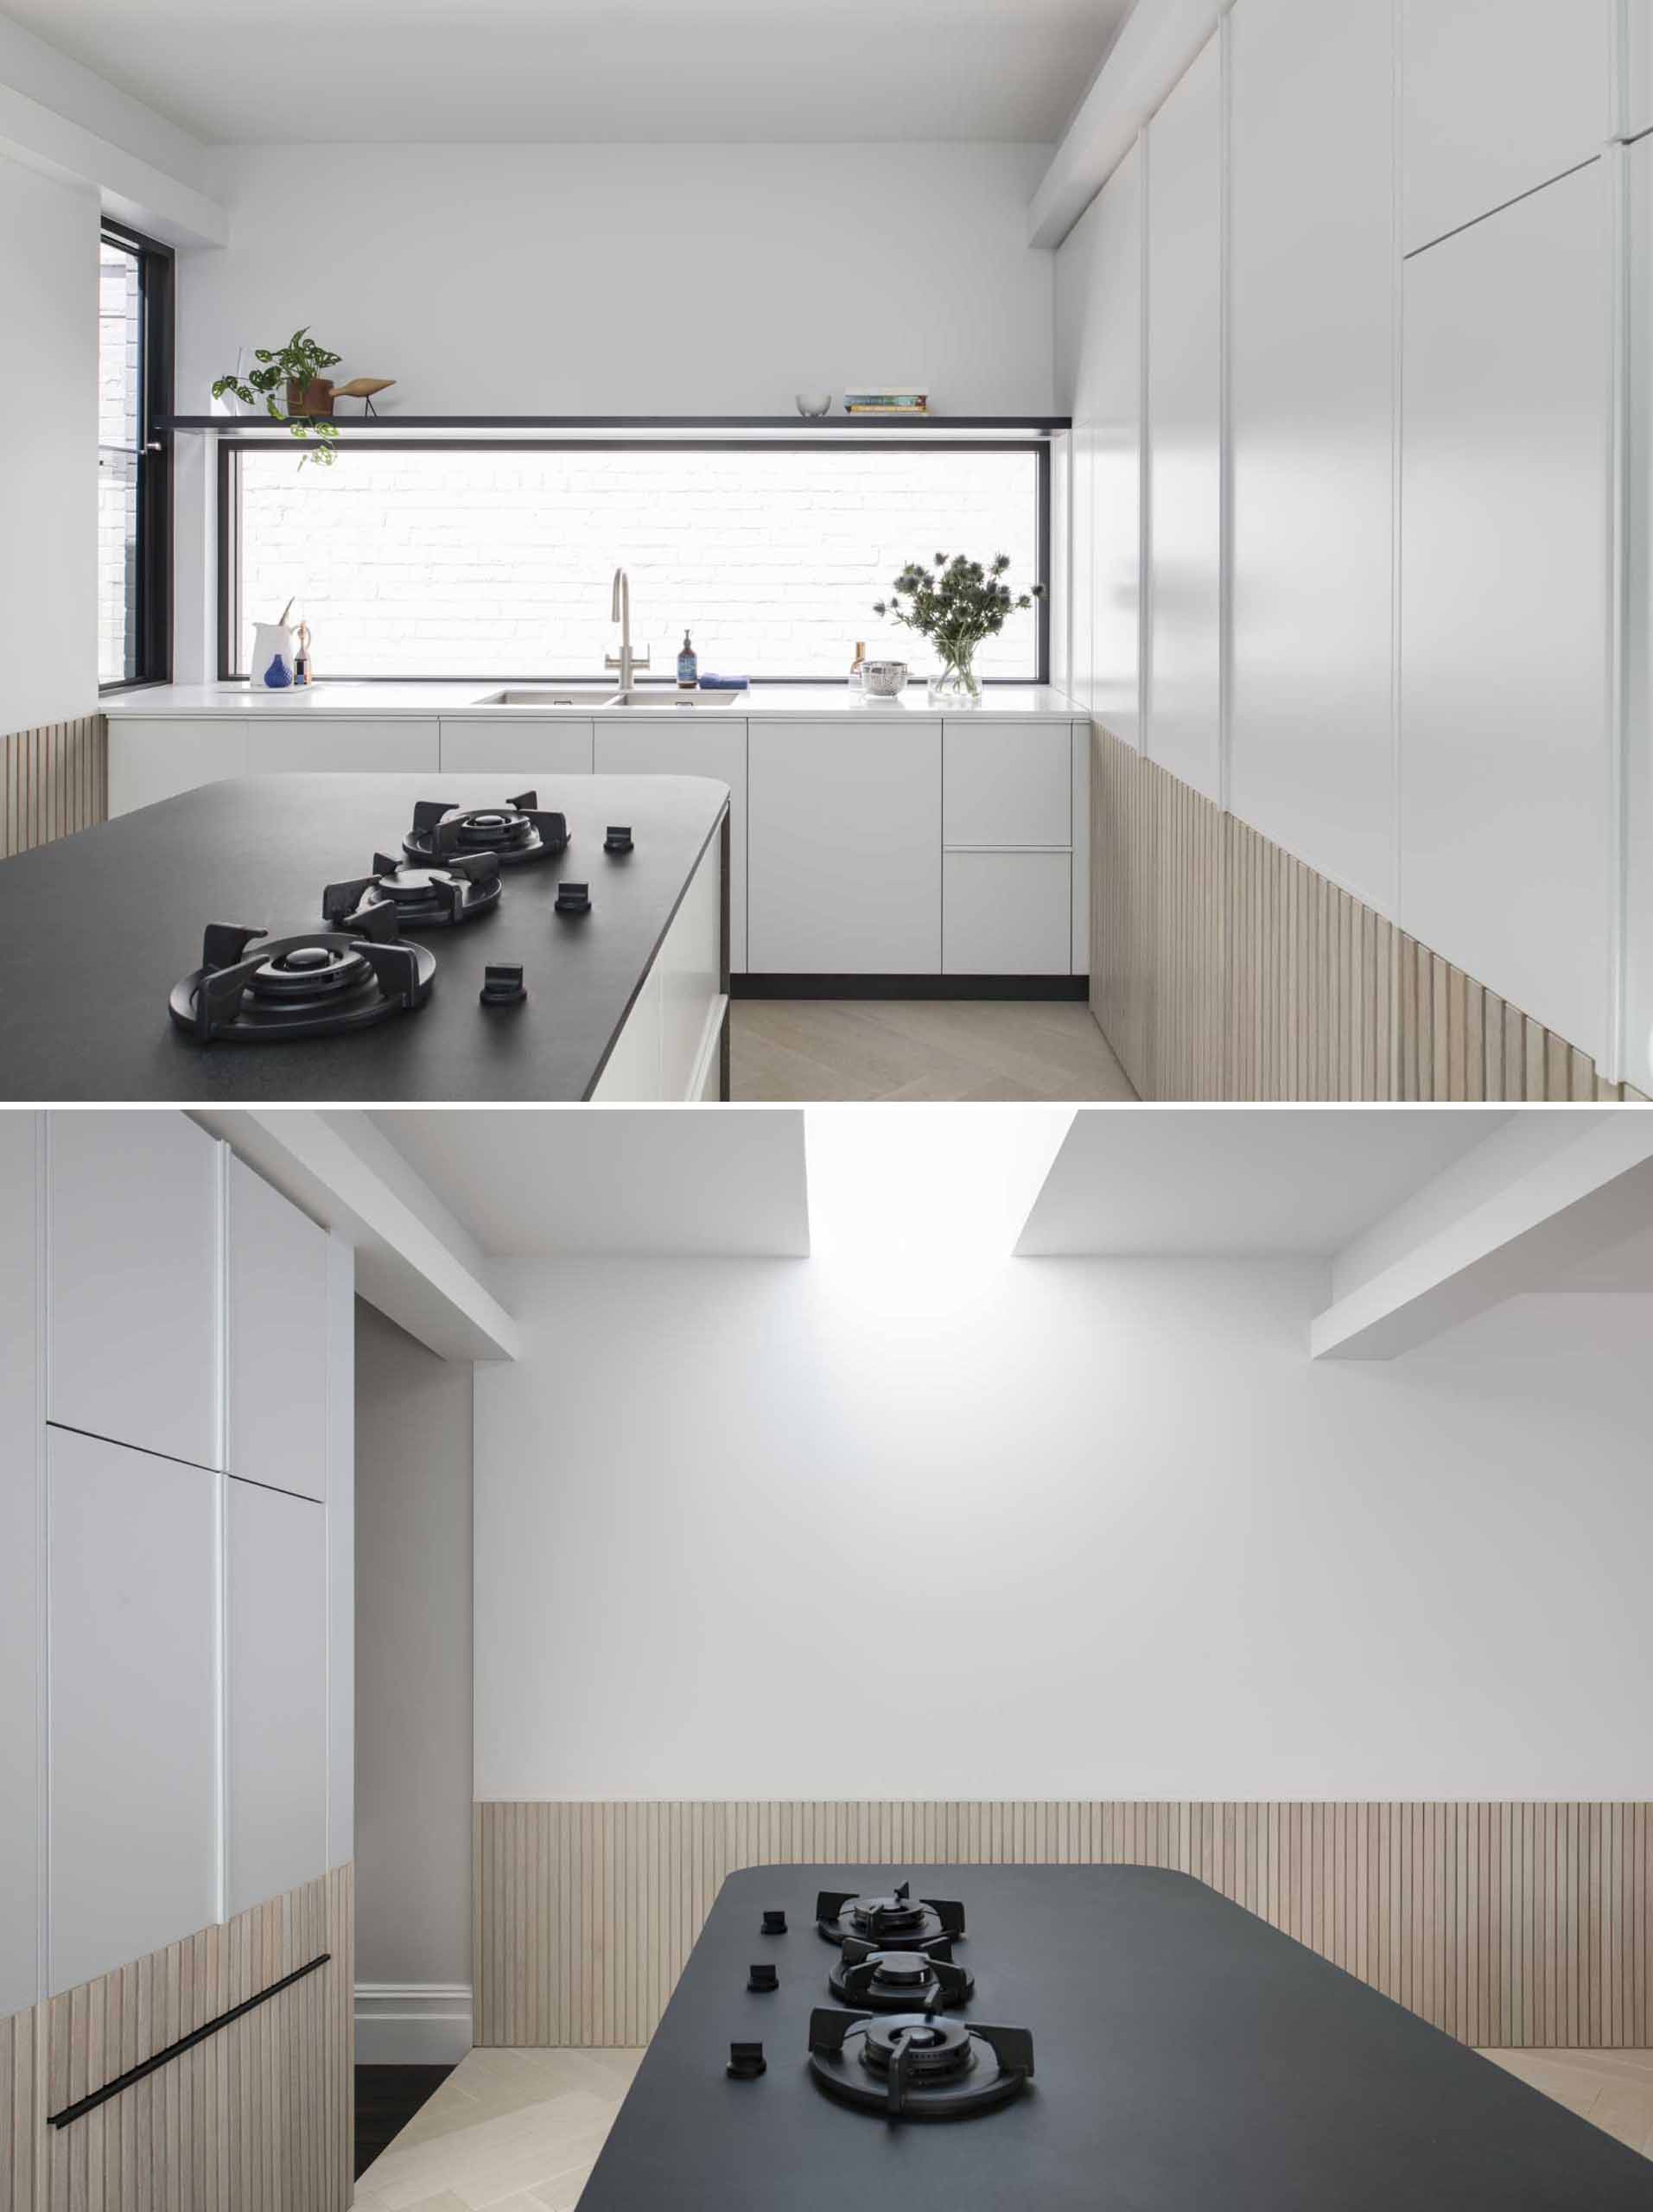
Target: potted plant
x=956, y=605
x=299, y=367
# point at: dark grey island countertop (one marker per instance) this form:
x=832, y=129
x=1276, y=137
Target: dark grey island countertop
x=96, y=929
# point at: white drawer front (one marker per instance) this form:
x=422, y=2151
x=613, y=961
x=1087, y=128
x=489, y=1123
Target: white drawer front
x=1006, y=914
x=385, y=743
x=516, y=745
x=1007, y=783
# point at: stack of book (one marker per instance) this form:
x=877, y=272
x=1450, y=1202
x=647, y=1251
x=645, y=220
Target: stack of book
x=888, y=401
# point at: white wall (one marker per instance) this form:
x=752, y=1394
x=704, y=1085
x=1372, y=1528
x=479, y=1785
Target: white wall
x=49, y=447
x=413, y=1659
x=1042, y=1529
x=634, y=279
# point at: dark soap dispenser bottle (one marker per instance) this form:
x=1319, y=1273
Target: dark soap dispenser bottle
x=688, y=666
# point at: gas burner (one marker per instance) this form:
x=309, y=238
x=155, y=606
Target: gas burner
x=317, y=984
x=900, y=1921
x=425, y=897
x=917, y=2065
x=515, y=831
x=899, y=1981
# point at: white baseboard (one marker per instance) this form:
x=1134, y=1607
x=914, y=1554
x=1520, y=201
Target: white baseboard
x=412, y=2023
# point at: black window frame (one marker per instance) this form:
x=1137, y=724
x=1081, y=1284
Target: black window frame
x=157, y=311
x=231, y=448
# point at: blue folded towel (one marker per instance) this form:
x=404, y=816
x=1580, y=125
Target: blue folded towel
x=726, y=684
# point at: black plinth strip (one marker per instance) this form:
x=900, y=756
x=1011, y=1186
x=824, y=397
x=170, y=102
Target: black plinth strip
x=151, y=2065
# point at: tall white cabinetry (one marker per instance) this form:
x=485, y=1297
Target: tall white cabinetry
x=1506, y=862
x=1636, y=735
x=1185, y=426
x=1499, y=97
x=175, y=1543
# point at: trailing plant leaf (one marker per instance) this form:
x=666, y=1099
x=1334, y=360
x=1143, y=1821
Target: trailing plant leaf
x=301, y=361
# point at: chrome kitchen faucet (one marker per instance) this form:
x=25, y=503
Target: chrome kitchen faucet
x=626, y=661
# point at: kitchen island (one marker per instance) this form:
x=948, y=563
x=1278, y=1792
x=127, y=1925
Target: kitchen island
x=626, y=1002
x=878, y=847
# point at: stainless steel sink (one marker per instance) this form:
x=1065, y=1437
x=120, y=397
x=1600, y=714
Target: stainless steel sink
x=564, y=695
x=663, y=696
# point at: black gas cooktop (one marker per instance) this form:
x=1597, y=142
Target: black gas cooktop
x=230, y=945
x=1132, y=2043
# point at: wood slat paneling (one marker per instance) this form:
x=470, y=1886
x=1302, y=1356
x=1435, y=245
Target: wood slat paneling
x=53, y=779
x=1504, y=1924
x=260, y=2117
x=1221, y=967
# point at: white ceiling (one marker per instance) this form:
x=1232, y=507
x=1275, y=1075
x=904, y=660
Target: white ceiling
x=1239, y=1179
x=660, y=71
x=541, y=1183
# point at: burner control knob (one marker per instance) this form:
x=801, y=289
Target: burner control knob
x=747, y=2061
x=761, y=1977
x=573, y=897
x=619, y=839
x=774, y=1923
x=502, y=987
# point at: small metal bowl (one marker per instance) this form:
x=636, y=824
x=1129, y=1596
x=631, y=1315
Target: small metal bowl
x=883, y=679
x=813, y=405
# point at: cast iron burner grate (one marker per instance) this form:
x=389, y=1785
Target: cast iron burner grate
x=917, y=2065
x=320, y=983
x=516, y=830
x=899, y=1981
x=424, y=897
x=899, y=1922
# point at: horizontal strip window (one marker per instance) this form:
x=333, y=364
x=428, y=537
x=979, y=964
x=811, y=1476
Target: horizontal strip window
x=479, y=562
x=151, y=2065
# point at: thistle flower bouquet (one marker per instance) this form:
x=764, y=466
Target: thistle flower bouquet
x=956, y=605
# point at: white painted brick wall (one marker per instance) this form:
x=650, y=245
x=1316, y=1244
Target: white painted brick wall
x=497, y=564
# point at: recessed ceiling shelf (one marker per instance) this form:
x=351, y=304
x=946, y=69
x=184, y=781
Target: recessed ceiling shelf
x=481, y=427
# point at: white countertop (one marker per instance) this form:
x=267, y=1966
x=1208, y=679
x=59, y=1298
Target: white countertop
x=325, y=702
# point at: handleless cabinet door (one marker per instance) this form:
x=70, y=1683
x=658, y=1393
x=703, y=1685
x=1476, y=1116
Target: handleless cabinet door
x=1497, y=97
x=150, y=760
x=1637, y=1054
x=517, y=745
x=1506, y=852
x=390, y=743
x=22, y=1600
x=134, y=1230
x=845, y=860
x=275, y=1693
x=1636, y=73
x=132, y=1701
x=1006, y=914
x=1007, y=783
x=718, y=751
x=277, y=1339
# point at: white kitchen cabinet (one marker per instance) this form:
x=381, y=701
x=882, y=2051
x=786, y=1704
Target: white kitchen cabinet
x=132, y=1704
x=360, y=743
x=150, y=760
x=275, y=1693
x=1082, y=740
x=1185, y=420
x=1112, y=380
x=845, y=837
x=1497, y=97
x=515, y=744
x=1635, y=100
x=1505, y=859
x=632, y=1073
x=671, y=1033
x=1006, y=783
x=1312, y=343
x=134, y=1235
x=1082, y=593
x=22, y=1598
x=277, y=1339
x=1005, y=913
x=707, y=747
x=342, y=1554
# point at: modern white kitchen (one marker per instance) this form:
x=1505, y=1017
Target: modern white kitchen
x=1298, y=749
x=483, y=1595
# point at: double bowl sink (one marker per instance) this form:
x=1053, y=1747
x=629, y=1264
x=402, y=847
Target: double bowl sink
x=600, y=702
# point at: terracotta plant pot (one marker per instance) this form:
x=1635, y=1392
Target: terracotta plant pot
x=313, y=398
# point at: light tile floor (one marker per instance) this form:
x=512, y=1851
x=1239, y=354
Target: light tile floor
x=936, y=1049
x=517, y=2131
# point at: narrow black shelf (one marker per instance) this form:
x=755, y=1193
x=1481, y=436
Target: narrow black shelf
x=622, y=425
x=150, y=2065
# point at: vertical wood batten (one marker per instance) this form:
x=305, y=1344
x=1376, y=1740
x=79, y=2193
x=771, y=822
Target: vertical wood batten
x=1222, y=967
x=1502, y=1923
x=54, y=780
